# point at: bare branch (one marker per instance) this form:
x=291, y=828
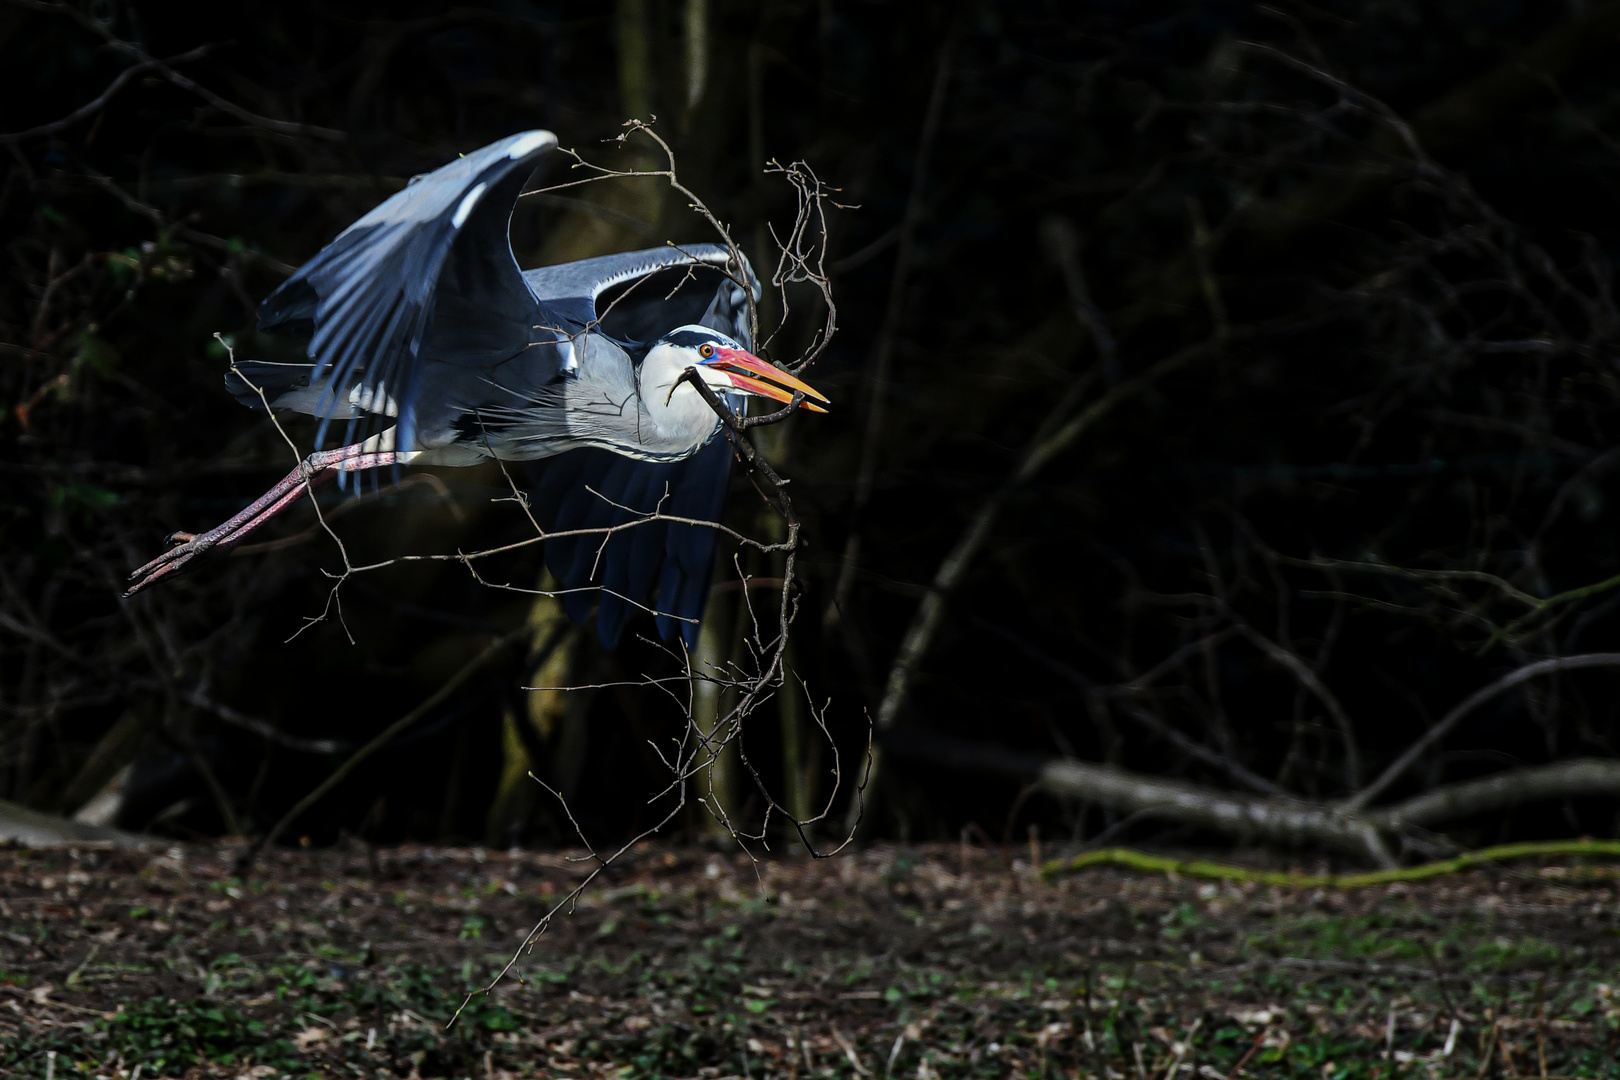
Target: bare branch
x=1443, y=727
x=89, y=108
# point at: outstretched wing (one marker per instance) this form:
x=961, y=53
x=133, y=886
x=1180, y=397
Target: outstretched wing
x=651, y=565
x=429, y=272
x=637, y=296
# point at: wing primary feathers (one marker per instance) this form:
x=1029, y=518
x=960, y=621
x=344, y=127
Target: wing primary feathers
x=619, y=601
x=699, y=494
x=658, y=565
x=368, y=299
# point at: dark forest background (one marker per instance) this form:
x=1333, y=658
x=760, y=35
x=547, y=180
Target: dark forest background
x=1223, y=393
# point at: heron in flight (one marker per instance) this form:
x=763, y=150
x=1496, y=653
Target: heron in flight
x=428, y=345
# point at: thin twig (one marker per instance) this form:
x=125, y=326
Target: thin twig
x=1442, y=728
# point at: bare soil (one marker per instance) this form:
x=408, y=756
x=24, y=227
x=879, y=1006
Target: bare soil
x=935, y=961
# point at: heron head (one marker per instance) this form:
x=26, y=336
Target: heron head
x=728, y=367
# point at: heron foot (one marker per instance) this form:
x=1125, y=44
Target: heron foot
x=186, y=546
x=312, y=470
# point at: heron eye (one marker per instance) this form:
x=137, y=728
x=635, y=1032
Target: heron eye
x=706, y=351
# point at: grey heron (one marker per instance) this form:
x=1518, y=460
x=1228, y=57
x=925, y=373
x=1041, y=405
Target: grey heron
x=429, y=345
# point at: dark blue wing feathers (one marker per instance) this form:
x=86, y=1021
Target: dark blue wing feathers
x=619, y=601
x=644, y=556
x=586, y=489
x=602, y=499
x=698, y=494
x=370, y=298
x=561, y=503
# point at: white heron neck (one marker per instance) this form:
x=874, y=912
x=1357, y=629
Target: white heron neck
x=641, y=411
x=674, y=416
x=675, y=409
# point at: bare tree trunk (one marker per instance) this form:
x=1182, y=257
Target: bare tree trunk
x=714, y=780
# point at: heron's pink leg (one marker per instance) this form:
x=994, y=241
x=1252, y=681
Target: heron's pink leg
x=312, y=470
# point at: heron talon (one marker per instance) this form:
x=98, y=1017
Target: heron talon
x=183, y=547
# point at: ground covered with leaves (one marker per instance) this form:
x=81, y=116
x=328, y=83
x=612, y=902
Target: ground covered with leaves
x=925, y=962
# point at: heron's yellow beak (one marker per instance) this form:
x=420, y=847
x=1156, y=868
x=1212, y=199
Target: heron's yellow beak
x=771, y=382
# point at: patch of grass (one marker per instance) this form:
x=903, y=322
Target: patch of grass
x=164, y=1036
x=974, y=975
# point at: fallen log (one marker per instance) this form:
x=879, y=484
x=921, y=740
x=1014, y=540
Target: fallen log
x=1276, y=819
x=31, y=828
